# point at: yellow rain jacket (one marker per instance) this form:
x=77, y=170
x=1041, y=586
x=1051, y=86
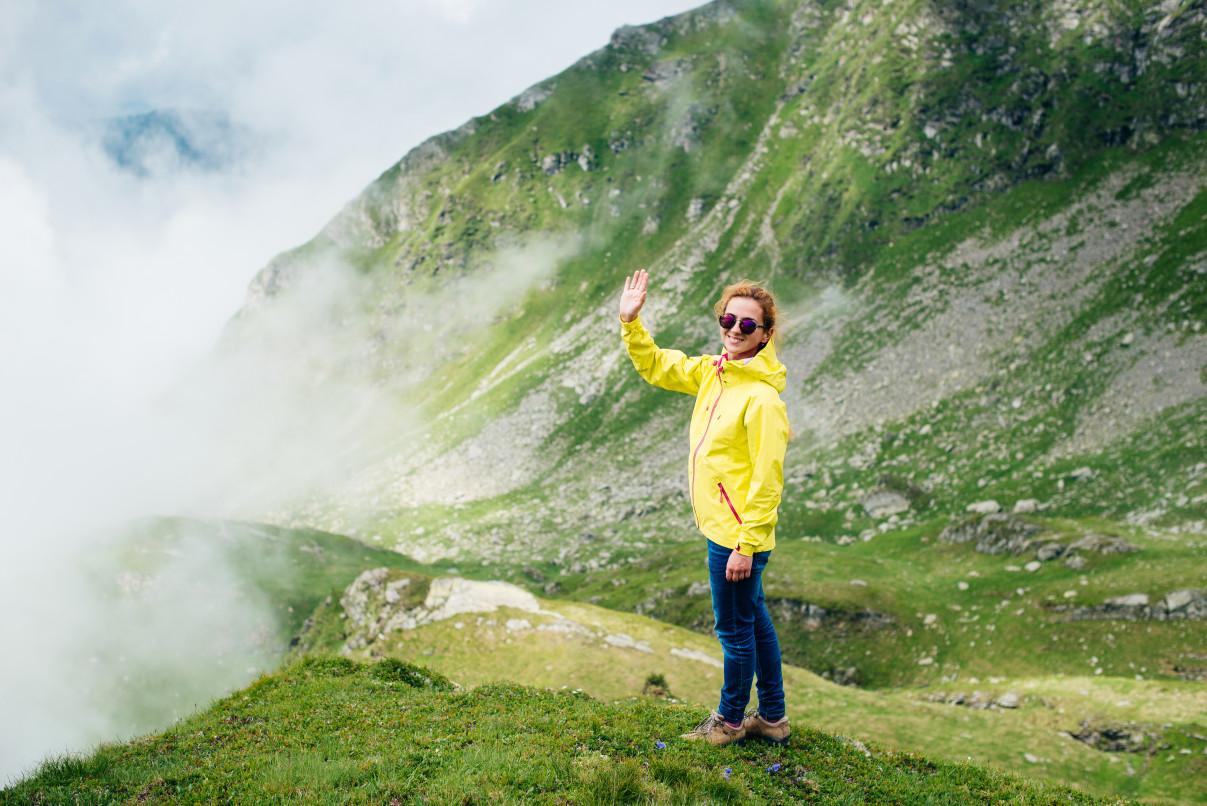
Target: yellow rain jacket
x=739, y=433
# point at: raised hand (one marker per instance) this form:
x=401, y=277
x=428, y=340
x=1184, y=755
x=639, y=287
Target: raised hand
x=633, y=296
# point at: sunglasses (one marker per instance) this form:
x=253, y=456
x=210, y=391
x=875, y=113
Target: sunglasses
x=747, y=326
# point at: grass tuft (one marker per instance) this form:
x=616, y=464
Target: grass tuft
x=399, y=671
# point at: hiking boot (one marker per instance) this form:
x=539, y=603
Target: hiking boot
x=755, y=727
x=714, y=731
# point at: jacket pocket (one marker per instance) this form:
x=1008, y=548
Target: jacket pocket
x=725, y=498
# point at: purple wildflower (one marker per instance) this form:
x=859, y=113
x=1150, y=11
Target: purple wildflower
x=774, y=768
x=661, y=745
x=725, y=773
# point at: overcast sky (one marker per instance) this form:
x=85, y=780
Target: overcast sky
x=337, y=92
x=111, y=283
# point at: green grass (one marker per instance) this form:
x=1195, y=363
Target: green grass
x=989, y=617
x=538, y=649
x=908, y=575
x=328, y=730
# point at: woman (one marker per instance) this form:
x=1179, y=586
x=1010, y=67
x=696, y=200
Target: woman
x=739, y=431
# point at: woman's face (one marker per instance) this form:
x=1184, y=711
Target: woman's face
x=737, y=344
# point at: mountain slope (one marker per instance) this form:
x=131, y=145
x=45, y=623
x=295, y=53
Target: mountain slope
x=987, y=223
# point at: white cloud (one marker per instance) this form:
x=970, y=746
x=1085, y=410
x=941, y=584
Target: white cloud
x=455, y=10
x=111, y=286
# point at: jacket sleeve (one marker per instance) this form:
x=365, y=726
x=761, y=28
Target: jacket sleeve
x=666, y=369
x=766, y=421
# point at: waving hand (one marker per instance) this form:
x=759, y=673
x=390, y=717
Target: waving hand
x=633, y=296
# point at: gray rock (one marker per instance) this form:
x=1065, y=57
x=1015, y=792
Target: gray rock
x=586, y=159
x=1082, y=474
x=394, y=590
x=531, y=98
x=814, y=617
x=624, y=641
x=984, y=507
x=963, y=532
x=845, y=676
x=1008, y=700
x=644, y=39
x=1005, y=533
x=883, y=503
x=1049, y=552
x=1177, y=600
x=1033, y=566
x=1025, y=506
x=1103, y=544
x=664, y=74
x=552, y=163
x=1183, y=604
x=997, y=533
x=1075, y=562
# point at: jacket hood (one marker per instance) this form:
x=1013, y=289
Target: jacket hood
x=765, y=366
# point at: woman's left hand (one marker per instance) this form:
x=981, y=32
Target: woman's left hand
x=738, y=567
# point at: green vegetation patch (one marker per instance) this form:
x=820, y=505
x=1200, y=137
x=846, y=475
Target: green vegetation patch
x=329, y=730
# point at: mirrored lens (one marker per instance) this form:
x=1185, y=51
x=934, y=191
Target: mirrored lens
x=747, y=326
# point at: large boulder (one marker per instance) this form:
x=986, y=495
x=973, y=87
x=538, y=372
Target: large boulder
x=883, y=503
x=995, y=533
x=1103, y=544
x=382, y=601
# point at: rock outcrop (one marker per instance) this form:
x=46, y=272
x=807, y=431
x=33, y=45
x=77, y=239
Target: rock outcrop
x=382, y=601
x=1001, y=533
x=1190, y=603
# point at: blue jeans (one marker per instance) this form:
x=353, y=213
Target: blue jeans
x=747, y=638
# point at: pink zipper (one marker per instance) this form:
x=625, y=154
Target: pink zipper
x=725, y=498
x=720, y=364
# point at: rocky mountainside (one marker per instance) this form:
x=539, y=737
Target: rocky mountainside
x=987, y=222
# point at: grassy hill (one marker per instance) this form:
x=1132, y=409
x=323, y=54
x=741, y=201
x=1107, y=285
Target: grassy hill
x=329, y=730
x=947, y=708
